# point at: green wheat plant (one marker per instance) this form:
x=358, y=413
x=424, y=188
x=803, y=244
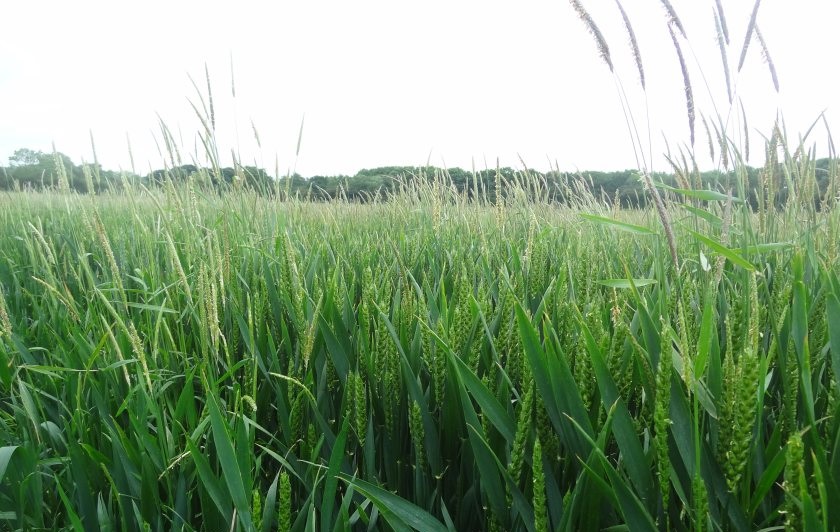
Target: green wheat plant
x=189, y=356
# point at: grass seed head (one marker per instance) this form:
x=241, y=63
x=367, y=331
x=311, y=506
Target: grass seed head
x=634, y=45
x=5, y=322
x=592, y=28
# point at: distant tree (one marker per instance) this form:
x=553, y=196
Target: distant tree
x=36, y=169
x=26, y=157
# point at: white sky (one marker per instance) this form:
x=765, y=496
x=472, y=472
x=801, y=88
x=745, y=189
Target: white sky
x=393, y=83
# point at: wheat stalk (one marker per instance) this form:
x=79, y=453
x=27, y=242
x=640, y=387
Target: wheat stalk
x=210, y=98
x=708, y=137
x=5, y=322
x=746, y=143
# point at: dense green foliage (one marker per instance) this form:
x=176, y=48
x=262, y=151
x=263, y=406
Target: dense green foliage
x=36, y=170
x=182, y=359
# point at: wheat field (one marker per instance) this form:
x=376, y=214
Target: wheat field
x=185, y=359
x=210, y=357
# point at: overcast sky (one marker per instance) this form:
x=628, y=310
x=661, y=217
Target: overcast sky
x=454, y=83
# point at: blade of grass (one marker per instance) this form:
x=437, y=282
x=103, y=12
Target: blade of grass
x=398, y=512
x=227, y=458
x=615, y=224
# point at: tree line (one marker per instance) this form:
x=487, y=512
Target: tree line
x=36, y=170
